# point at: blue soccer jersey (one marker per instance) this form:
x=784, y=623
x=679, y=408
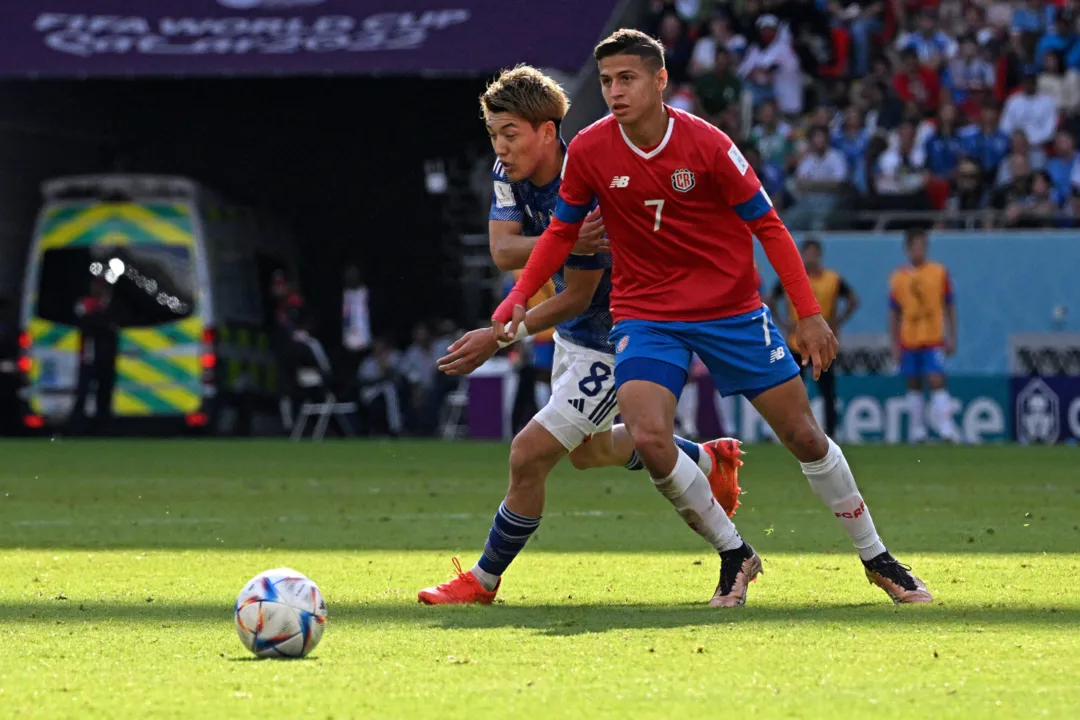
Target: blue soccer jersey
x=533, y=207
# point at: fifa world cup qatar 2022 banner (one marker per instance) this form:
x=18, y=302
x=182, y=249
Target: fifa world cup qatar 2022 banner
x=58, y=38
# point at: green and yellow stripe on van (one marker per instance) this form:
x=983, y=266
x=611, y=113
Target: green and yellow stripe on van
x=116, y=224
x=158, y=370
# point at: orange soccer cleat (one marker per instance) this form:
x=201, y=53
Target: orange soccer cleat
x=724, y=478
x=465, y=589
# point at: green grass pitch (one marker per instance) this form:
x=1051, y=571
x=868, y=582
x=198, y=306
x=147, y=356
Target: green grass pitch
x=120, y=563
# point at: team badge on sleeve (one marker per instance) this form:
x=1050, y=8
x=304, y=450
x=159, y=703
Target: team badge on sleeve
x=623, y=342
x=683, y=180
x=737, y=158
x=504, y=195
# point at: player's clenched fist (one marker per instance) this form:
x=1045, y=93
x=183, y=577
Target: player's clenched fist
x=817, y=342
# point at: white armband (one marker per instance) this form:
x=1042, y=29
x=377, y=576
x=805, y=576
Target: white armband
x=521, y=334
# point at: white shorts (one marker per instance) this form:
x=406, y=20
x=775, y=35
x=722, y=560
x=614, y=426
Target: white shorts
x=582, y=394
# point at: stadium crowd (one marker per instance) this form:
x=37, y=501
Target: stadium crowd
x=970, y=107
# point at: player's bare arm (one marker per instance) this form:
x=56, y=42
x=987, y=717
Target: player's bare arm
x=894, y=332
x=851, y=304
x=950, y=329
x=478, y=346
x=510, y=249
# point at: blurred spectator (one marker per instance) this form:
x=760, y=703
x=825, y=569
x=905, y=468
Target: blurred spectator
x=808, y=29
x=418, y=367
x=1018, y=58
x=1034, y=157
x=1028, y=110
x=308, y=375
x=772, y=176
x=97, y=358
x=931, y=45
x=1063, y=88
x=819, y=178
x=852, y=140
x=864, y=17
x=1058, y=39
x=985, y=143
x=1039, y=208
x=976, y=23
x=721, y=88
x=967, y=72
x=720, y=37
x=773, y=137
x=969, y=191
x=1018, y=187
x=379, y=380
x=356, y=320
x=917, y=83
x=1033, y=16
x=677, y=48
x=681, y=97
x=944, y=147
x=771, y=68
x=900, y=178
x=288, y=302
x=1063, y=168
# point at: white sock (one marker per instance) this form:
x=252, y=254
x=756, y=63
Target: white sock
x=941, y=415
x=489, y=581
x=916, y=414
x=688, y=490
x=541, y=394
x=832, y=481
x=704, y=460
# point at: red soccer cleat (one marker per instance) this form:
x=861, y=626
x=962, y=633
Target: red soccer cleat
x=465, y=589
x=724, y=478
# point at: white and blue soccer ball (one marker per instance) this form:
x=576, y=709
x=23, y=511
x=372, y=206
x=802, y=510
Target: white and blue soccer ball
x=280, y=613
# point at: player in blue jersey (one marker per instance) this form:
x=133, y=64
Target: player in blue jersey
x=523, y=109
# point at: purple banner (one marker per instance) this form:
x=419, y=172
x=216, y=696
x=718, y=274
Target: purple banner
x=268, y=37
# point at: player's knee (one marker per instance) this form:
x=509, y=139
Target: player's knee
x=529, y=463
x=652, y=442
x=806, y=440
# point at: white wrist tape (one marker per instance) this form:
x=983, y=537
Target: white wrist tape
x=521, y=334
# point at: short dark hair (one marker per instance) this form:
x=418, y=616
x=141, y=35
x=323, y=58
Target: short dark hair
x=914, y=234
x=811, y=243
x=632, y=42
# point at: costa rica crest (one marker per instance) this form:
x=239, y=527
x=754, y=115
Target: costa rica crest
x=683, y=180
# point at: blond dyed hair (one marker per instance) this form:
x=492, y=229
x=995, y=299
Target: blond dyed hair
x=528, y=93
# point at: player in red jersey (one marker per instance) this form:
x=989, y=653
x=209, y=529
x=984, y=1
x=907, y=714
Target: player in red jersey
x=681, y=206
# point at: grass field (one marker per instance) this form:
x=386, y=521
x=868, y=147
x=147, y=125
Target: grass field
x=120, y=562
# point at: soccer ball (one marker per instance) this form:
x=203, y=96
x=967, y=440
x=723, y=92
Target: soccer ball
x=280, y=613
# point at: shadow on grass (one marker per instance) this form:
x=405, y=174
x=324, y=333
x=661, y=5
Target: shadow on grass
x=558, y=620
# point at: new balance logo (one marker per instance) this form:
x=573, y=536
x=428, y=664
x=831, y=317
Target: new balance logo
x=620, y=181
x=578, y=404
x=777, y=354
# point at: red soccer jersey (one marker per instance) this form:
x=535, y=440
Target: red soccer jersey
x=677, y=217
